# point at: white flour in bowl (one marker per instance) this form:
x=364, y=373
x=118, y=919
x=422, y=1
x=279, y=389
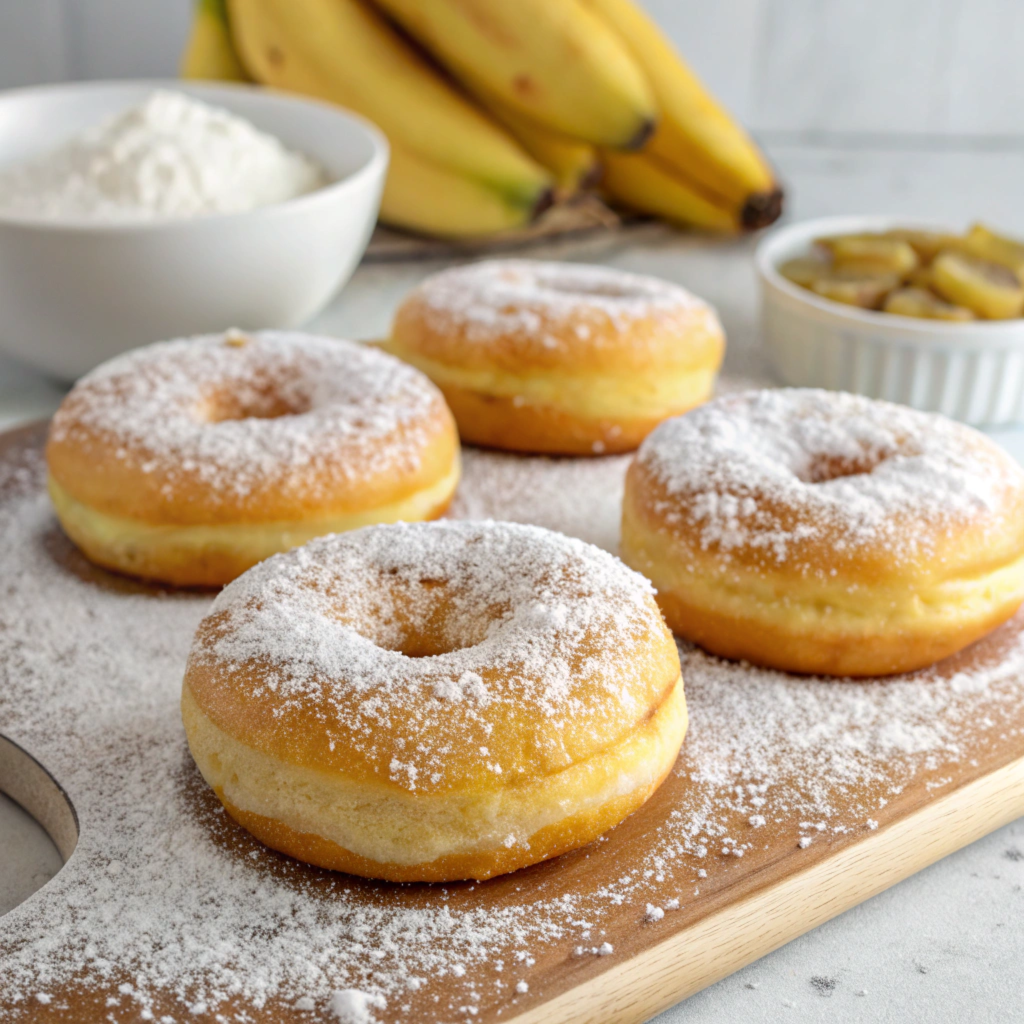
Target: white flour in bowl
x=170, y=157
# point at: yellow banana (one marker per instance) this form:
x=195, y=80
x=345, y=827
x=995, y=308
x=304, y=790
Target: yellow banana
x=919, y=302
x=989, y=289
x=209, y=52
x=868, y=291
x=423, y=197
x=874, y=254
x=344, y=52
x=804, y=270
x=552, y=60
x=574, y=164
x=645, y=184
x=694, y=134
x=988, y=245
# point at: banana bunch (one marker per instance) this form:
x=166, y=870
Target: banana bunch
x=209, y=52
x=495, y=110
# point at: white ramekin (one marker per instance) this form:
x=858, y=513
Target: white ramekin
x=971, y=371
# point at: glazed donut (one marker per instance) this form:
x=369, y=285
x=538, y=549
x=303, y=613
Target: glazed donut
x=821, y=532
x=559, y=358
x=189, y=461
x=432, y=702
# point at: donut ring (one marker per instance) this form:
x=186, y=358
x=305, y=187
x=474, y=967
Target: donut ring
x=433, y=702
x=190, y=461
x=559, y=358
x=821, y=532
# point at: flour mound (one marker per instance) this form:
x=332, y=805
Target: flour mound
x=170, y=157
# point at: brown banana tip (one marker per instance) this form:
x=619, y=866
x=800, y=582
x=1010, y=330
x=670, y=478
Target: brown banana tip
x=591, y=178
x=545, y=200
x=762, y=209
x=644, y=132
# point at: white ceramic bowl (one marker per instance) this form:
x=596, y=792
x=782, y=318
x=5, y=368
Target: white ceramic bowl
x=73, y=295
x=971, y=371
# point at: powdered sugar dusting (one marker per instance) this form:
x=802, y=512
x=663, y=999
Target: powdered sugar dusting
x=540, y=304
x=773, y=469
x=245, y=415
x=580, y=497
x=351, y=1006
x=197, y=918
x=517, y=617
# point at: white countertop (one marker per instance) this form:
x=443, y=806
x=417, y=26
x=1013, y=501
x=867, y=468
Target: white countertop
x=946, y=945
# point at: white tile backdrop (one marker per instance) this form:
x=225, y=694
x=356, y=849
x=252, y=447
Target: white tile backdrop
x=799, y=68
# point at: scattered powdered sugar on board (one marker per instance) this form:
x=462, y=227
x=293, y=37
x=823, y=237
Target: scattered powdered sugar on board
x=580, y=497
x=838, y=736
x=167, y=909
x=351, y=1006
x=170, y=157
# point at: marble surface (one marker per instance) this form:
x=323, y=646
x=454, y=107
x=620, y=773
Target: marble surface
x=944, y=946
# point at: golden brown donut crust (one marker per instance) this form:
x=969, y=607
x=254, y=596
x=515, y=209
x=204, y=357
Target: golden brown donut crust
x=241, y=698
x=502, y=338
x=551, y=841
x=590, y=721
x=493, y=421
x=910, y=550
x=187, y=562
x=521, y=315
x=328, y=465
x=853, y=655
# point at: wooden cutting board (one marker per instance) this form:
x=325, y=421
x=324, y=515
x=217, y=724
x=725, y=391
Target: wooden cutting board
x=792, y=801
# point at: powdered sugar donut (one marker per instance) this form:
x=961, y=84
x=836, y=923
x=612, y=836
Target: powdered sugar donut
x=434, y=701
x=189, y=461
x=822, y=532
x=561, y=358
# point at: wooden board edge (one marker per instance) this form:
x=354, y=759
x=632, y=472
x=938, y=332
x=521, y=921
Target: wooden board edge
x=642, y=986
x=33, y=788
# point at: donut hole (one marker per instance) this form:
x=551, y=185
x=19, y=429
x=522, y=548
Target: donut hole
x=591, y=289
x=569, y=283
x=264, y=400
x=425, y=645
x=606, y=290
x=424, y=621
x=824, y=468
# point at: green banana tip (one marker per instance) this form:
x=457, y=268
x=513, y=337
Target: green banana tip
x=217, y=8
